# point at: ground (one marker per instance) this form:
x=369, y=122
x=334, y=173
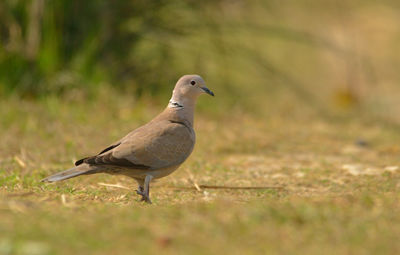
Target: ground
x=324, y=186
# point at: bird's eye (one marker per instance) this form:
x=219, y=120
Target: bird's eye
x=193, y=82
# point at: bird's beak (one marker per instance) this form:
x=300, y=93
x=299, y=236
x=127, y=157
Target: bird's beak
x=207, y=91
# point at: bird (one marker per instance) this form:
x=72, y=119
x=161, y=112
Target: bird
x=153, y=150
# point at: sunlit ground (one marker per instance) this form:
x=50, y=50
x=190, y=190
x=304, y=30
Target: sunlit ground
x=327, y=186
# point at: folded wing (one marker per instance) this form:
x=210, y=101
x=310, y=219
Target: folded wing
x=154, y=146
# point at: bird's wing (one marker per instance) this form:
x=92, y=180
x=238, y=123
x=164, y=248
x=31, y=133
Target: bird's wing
x=79, y=162
x=153, y=146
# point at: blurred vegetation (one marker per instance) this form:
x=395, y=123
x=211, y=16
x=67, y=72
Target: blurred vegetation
x=280, y=70
x=326, y=54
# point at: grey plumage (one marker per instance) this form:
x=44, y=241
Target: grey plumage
x=72, y=172
x=151, y=151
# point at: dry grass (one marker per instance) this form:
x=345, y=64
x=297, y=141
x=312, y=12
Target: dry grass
x=334, y=185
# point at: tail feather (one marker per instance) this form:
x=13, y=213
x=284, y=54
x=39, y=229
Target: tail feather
x=70, y=173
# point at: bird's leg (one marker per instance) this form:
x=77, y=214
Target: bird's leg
x=144, y=189
x=146, y=192
x=140, y=190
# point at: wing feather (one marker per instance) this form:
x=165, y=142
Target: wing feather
x=158, y=145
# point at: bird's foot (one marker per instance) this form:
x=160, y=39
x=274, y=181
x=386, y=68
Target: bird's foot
x=145, y=197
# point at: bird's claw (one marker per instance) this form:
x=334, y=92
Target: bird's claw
x=144, y=196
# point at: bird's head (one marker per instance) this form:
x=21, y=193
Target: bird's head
x=188, y=88
x=192, y=85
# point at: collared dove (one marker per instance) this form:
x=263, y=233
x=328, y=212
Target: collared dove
x=151, y=151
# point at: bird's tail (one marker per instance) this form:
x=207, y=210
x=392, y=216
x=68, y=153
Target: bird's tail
x=70, y=173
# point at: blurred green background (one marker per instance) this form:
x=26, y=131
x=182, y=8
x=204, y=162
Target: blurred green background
x=307, y=107
x=326, y=56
